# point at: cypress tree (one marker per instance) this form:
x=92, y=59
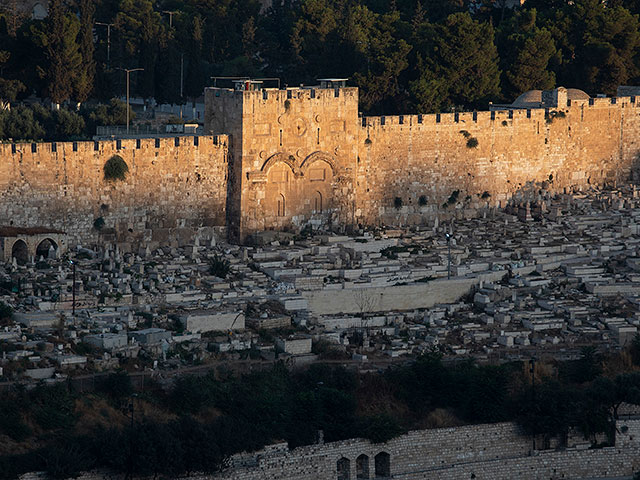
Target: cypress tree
x=62, y=54
x=86, y=75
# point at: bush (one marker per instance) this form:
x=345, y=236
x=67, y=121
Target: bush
x=465, y=133
x=115, y=169
x=6, y=314
x=453, y=198
x=397, y=202
x=116, y=385
x=472, y=142
x=380, y=428
x=422, y=201
x=98, y=223
x=219, y=267
x=485, y=195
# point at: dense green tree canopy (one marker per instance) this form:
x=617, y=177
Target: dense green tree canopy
x=405, y=55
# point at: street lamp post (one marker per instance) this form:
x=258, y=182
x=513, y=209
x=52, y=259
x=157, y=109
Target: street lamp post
x=108, y=25
x=448, y=237
x=129, y=70
x=73, y=290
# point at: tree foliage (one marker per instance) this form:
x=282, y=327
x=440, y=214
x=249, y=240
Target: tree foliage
x=405, y=55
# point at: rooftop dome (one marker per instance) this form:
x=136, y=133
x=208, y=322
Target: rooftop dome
x=576, y=94
x=532, y=98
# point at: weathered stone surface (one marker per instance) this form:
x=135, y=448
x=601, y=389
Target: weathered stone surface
x=170, y=192
x=290, y=158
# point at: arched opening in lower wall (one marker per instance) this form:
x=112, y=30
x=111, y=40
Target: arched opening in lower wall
x=362, y=467
x=383, y=465
x=20, y=252
x=344, y=469
x=317, y=202
x=281, y=206
x=47, y=248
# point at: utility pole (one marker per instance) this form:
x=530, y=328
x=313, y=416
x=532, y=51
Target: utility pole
x=108, y=25
x=131, y=411
x=129, y=70
x=532, y=371
x=171, y=14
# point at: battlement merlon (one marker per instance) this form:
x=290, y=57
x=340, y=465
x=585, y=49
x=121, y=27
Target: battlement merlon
x=226, y=108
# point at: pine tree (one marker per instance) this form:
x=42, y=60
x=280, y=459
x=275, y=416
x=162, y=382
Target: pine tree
x=457, y=65
x=195, y=77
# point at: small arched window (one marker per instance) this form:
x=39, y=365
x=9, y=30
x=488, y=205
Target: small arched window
x=317, y=202
x=344, y=469
x=20, y=252
x=281, y=205
x=362, y=467
x=383, y=465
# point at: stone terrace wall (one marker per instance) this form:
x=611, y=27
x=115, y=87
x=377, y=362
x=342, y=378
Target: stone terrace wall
x=484, y=452
x=175, y=187
x=489, y=452
x=590, y=142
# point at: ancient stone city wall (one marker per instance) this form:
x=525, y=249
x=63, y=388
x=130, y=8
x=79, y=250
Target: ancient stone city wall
x=293, y=154
x=174, y=189
x=411, y=156
x=293, y=157
x=484, y=452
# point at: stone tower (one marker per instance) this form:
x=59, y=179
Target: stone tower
x=293, y=155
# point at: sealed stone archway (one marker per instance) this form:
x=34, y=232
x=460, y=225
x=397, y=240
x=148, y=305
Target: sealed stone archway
x=47, y=248
x=27, y=243
x=290, y=193
x=20, y=252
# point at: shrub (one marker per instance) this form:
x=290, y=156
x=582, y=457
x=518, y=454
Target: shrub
x=115, y=169
x=422, y=201
x=116, y=385
x=287, y=104
x=219, y=267
x=485, y=195
x=397, y=202
x=453, y=198
x=6, y=313
x=472, y=142
x=368, y=141
x=465, y=133
x=504, y=123
x=98, y=223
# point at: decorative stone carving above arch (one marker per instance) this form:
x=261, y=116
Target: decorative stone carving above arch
x=316, y=157
x=283, y=157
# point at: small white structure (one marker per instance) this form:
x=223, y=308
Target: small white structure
x=208, y=321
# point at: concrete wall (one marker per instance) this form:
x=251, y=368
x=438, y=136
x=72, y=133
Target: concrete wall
x=403, y=297
x=170, y=193
x=196, y=322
